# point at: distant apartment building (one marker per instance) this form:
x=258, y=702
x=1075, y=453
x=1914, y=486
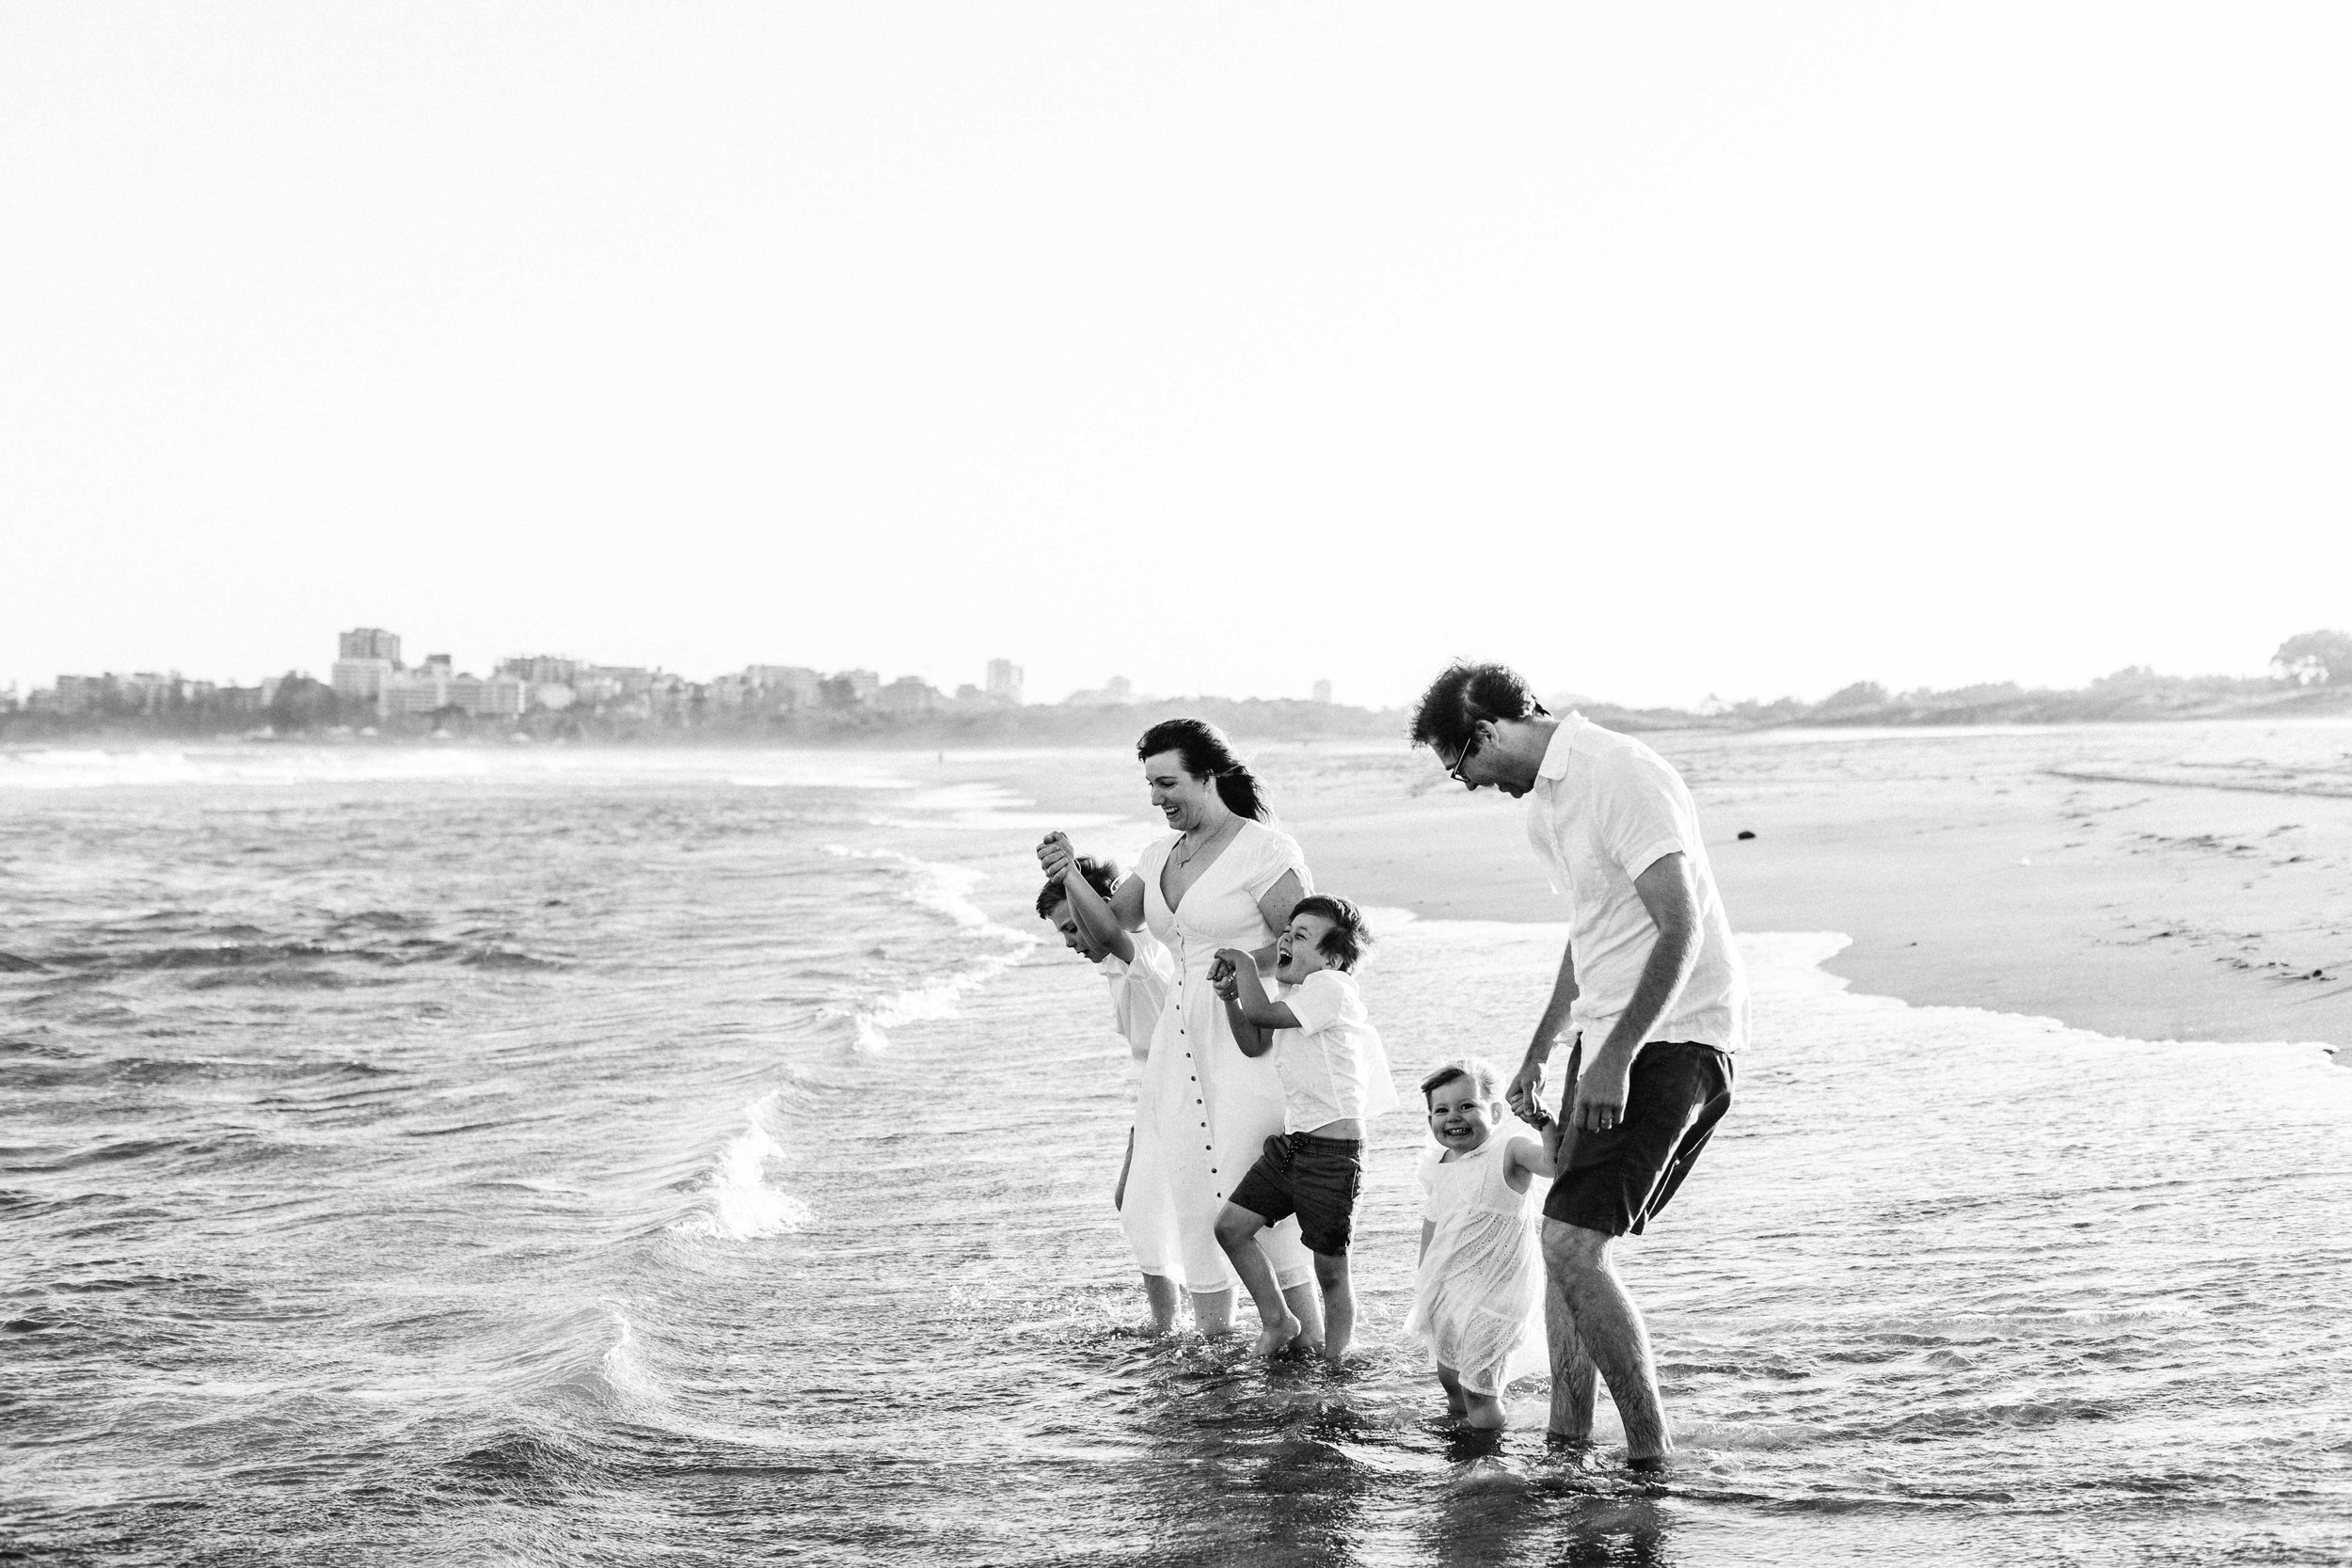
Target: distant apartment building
x=907, y=696
x=368, y=642
x=783, y=685
x=540, y=670
x=436, y=685
x=1117, y=692
x=1004, y=681
x=849, y=689
x=80, y=693
x=1323, y=692
x=366, y=659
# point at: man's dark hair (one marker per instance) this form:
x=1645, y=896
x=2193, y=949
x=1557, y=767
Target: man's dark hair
x=1465, y=694
x=1101, y=875
x=1345, y=942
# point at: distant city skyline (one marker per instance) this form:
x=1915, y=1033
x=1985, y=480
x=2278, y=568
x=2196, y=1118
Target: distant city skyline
x=368, y=667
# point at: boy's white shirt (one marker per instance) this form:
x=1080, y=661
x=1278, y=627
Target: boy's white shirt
x=1138, y=992
x=1333, y=1064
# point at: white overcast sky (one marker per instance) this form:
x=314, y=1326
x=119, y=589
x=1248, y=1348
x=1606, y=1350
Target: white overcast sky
x=1662, y=350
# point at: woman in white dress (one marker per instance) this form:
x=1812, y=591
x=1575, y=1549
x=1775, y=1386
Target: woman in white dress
x=1222, y=878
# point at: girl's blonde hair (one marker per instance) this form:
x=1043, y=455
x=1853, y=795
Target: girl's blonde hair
x=1483, y=1075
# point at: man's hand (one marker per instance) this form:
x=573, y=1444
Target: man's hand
x=1600, y=1090
x=1525, y=1094
x=1056, y=856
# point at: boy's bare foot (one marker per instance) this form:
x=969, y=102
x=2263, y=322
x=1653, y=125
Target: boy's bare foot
x=1276, y=1337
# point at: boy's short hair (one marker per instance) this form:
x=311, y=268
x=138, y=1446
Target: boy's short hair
x=1485, y=1077
x=1466, y=694
x=1101, y=875
x=1349, y=935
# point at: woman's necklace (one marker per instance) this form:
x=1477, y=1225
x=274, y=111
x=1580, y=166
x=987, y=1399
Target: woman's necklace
x=1187, y=860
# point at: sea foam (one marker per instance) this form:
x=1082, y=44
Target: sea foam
x=738, y=1201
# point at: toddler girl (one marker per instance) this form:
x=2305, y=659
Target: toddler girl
x=1475, y=1299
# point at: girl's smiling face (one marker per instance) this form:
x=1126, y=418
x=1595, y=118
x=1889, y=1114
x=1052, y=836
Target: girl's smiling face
x=1459, y=1118
x=1181, y=798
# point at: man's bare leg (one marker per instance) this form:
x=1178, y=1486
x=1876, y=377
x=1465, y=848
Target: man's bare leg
x=1160, y=1292
x=1609, y=1325
x=1213, y=1313
x=1237, y=1233
x=1573, y=1379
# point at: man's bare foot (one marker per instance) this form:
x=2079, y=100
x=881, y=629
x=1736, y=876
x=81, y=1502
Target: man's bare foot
x=1276, y=1337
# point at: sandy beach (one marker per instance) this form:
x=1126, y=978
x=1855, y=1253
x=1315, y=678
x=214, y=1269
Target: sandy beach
x=2153, y=882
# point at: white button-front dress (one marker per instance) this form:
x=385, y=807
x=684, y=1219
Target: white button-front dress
x=1204, y=1111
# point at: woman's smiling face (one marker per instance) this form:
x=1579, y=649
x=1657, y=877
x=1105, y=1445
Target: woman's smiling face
x=1181, y=798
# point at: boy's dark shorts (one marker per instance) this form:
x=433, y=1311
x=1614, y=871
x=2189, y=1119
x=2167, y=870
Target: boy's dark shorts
x=1616, y=1180
x=1316, y=1178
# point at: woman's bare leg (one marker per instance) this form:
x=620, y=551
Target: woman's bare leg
x=1160, y=1292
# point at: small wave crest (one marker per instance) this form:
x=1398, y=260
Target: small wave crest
x=738, y=1202
x=945, y=891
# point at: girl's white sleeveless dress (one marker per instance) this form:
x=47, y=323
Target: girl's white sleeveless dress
x=1478, y=1299
x=1204, y=1111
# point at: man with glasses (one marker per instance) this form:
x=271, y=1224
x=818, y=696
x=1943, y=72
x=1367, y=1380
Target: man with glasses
x=1650, y=991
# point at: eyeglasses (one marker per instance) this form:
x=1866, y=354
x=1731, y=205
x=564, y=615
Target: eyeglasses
x=1453, y=768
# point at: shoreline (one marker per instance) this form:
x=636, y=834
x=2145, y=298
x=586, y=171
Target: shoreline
x=2198, y=887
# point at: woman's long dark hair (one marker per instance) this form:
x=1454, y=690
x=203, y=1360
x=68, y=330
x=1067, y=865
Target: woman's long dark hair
x=1204, y=750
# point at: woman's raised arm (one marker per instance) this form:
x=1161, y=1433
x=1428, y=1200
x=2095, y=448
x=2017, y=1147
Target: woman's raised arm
x=1275, y=910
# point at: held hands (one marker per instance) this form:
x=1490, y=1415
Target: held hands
x=1525, y=1094
x=1056, y=856
x=1225, y=973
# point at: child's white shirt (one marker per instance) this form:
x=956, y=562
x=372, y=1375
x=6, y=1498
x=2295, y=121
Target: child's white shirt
x=1139, y=992
x=1333, y=1064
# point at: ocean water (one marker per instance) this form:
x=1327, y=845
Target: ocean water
x=470, y=1157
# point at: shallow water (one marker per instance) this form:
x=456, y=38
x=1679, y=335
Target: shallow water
x=677, y=1160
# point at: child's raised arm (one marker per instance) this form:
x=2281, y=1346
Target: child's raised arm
x=1250, y=993
x=1106, y=921
x=1251, y=1039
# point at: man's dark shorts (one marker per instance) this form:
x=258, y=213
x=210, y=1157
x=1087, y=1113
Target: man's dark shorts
x=1316, y=1178
x=1616, y=1180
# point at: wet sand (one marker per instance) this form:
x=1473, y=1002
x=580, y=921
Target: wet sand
x=2154, y=882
